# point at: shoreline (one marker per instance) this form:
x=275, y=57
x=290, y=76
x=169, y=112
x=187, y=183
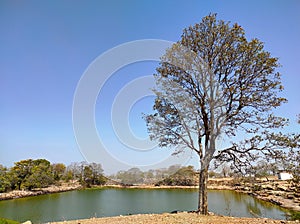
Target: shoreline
x=15, y=194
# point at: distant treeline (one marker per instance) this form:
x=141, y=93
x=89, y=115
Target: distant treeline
x=29, y=174
x=40, y=173
x=174, y=175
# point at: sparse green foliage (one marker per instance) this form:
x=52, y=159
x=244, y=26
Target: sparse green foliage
x=97, y=174
x=92, y=174
x=4, y=179
x=87, y=177
x=68, y=175
x=58, y=170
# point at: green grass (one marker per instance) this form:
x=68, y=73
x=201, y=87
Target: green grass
x=7, y=221
x=295, y=216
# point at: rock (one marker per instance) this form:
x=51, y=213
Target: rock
x=296, y=200
x=297, y=195
x=290, y=196
x=275, y=202
x=268, y=187
x=266, y=194
x=27, y=222
x=277, y=193
x=282, y=188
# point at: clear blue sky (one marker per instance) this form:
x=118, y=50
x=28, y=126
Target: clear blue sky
x=47, y=45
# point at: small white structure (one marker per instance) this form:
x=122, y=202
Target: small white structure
x=283, y=175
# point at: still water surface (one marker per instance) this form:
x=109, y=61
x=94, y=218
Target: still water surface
x=111, y=202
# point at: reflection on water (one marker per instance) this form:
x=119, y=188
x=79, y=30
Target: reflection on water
x=236, y=204
x=254, y=209
x=227, y=201
x=112, y=202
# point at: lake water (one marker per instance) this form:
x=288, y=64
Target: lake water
x=112, y=202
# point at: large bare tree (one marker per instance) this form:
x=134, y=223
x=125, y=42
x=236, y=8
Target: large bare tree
x=215, y=82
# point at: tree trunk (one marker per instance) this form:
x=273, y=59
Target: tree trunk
x=19, y=185
x=202, y=197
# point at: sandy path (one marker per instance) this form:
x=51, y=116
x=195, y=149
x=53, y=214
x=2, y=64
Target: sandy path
x=186, y=218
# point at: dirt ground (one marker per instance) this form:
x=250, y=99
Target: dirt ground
x=182, y=218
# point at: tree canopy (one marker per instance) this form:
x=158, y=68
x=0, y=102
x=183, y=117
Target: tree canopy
x=40, y=173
